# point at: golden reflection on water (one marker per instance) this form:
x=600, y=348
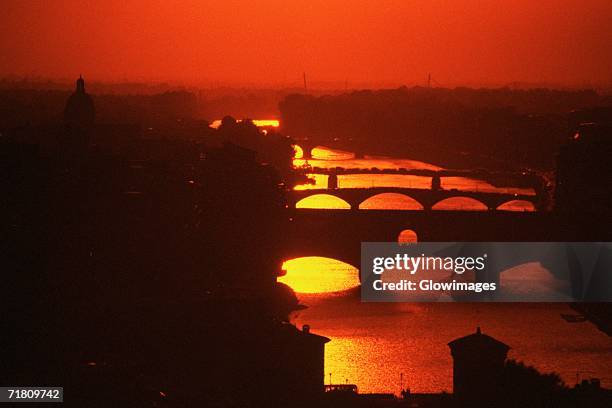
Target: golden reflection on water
x=460, y=203
x=325, y=157
x=319, y=275
x=323, y=201
x=320, y=156
x=372, y=343
x=517, y=205
x=257, y=122
x=390, y=201
x=266, y=122
x=299, y=153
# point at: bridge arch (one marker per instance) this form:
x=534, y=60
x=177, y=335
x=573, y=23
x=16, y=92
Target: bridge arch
x=298, y=152
x=517, y=205
x=529, y=279
x=308, y=151
x=323, y=201
x=303, y=150
x=316, y=274
x=461, y=203
x=390, y=201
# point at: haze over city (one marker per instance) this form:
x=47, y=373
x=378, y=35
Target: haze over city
x=336, y=42
x=323, y=203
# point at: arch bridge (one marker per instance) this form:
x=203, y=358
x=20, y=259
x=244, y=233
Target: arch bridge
x=308, y=146
x=338, y=234
x=426, y=198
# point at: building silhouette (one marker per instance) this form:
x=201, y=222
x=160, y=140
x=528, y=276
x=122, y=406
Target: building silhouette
x=584, y=171
x=478, y=367
x=79, y=116
x=298, y=364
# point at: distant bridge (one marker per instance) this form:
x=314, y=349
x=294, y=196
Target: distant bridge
x=338, y=234
x=497, y=178
x=412, y=172
x=308, y=145
x=426, y=198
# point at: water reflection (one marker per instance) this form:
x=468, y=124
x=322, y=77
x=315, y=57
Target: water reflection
x=390, y=201
x=325, y=157
x=460, y=203
x=517, y=205
x=257, y=122
x=321, y=154
x=319, y=275
x=372, y=343
x=323, y=201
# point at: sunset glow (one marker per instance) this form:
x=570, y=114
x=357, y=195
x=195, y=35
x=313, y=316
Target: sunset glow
x=321, y=203
x=337, y=42
x=407, y=237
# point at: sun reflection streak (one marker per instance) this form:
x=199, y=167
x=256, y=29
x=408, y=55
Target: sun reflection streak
x=315, y=274
x=323, y=201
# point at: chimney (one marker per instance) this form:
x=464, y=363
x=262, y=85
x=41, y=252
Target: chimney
x=306, y=328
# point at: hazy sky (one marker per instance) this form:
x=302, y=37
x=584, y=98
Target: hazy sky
x=274, y=41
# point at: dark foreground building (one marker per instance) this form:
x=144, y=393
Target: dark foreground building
x=478, y=367
x=584, y=173
x=146, y=276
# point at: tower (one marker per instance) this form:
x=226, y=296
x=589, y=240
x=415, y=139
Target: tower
x=478, y=365
x=79, y=116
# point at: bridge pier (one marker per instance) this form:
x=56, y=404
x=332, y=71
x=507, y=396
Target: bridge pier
x=332, y=182
x=338, y=234
x=307, y=149
x=306, y=154
x=436, y=182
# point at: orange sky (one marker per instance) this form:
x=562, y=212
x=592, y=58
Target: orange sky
x=271, y=42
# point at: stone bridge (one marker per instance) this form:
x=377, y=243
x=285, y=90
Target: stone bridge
x=338, y=234
x=426, y=198
x=308, y=146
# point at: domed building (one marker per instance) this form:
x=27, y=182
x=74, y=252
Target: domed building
x=79, y=116
x=79, y=112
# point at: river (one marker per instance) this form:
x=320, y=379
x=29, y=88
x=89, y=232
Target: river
x=373, y=343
